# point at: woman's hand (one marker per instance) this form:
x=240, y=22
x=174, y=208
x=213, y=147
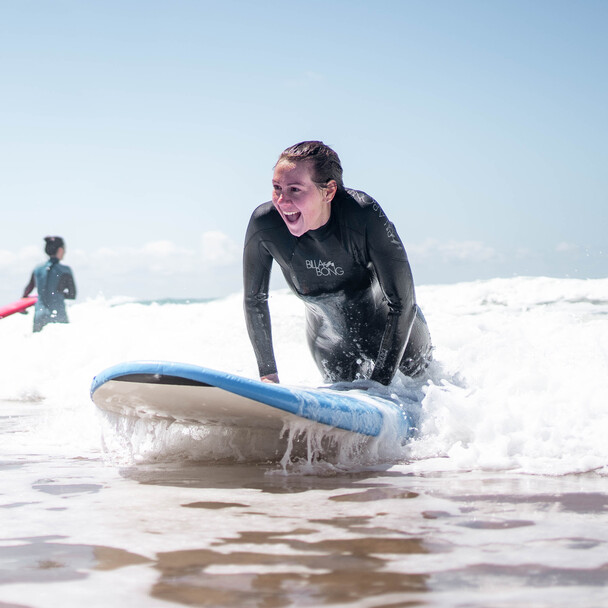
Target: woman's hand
x=271, y=378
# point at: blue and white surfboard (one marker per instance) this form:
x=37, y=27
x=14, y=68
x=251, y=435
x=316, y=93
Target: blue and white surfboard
x=188, y=393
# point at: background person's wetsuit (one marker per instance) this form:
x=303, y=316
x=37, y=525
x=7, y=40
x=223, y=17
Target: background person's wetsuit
x=55, y=283
x=355, y=280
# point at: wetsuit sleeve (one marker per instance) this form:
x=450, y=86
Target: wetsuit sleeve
x=67, y=286
x=389, y=260
x=30, y=287
x=257, y=264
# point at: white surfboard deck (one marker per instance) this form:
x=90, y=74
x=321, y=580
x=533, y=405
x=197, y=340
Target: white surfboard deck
x=203, y=405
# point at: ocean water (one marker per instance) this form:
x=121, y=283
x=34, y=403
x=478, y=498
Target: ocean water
x=500, y=500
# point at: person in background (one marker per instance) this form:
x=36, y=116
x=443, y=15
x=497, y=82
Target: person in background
x=343, y=258
x=54, y=283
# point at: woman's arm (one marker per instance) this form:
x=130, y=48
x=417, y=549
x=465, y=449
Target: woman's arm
x=257, y=263
x=67, y=286
x=30, y=287
x=392, y=268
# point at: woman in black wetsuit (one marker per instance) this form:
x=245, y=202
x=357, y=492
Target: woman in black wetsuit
x=344, y=259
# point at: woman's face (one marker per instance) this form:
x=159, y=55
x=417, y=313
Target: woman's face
x=301, y=203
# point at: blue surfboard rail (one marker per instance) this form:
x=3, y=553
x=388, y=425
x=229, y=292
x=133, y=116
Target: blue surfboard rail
x=335, y=408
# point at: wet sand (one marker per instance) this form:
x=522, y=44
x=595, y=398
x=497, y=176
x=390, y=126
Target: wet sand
x=80, y=531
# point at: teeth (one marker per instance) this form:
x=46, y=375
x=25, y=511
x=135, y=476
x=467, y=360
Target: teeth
x=290, y=212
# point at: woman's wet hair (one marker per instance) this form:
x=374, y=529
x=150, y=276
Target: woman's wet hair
x=325, y=162
x=53, y=243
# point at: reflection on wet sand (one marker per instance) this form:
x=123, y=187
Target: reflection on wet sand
x=286, y=569
x=251, y=535
x=527, y=575
x=375, y=494
x=326, y=571
x=267, y=478
x=45, y=560
x=213, y=505
x=302, y=573
x=579, y=502
x=364, y=542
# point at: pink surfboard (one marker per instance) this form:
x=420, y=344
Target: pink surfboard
x=17, y=306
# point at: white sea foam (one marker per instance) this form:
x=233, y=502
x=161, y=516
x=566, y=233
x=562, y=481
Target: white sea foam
x=520, y=379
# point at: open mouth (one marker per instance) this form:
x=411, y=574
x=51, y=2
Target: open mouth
x=291, y=216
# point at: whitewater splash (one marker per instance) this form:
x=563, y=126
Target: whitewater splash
x=519, y=380
x=301, y=444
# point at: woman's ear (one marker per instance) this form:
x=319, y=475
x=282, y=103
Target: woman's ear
x=330, y=190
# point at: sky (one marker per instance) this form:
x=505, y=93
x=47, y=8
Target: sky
x=145, y=132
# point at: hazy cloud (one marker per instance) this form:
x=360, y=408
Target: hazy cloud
x=21, y=261
x=565, y=247
x=163, y=257
x=217, y=248
x=164, y=269
x=461, y=251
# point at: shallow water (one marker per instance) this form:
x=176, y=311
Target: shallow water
x=501, y=501
x=78, y=530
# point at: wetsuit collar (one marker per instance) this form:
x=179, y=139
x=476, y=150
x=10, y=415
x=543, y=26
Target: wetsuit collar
x=320, y=234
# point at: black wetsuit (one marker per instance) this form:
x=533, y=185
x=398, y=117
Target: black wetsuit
x=355, y=280
x=55, y=283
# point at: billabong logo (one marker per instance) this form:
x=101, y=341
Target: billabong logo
x=324, y=269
